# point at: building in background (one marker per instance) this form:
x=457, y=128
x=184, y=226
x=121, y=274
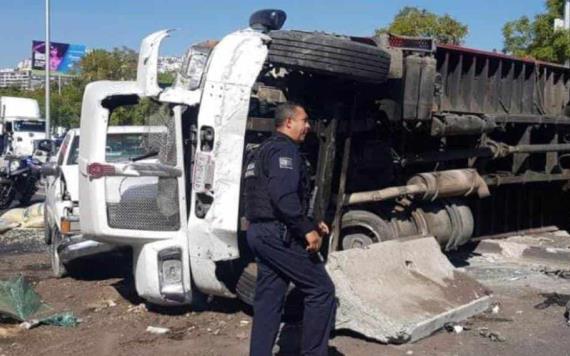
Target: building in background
x=169, y=64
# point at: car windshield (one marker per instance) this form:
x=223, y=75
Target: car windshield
x=29, y=126
x=120, y=147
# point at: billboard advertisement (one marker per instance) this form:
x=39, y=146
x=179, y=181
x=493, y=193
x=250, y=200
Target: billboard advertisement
x=62, y=56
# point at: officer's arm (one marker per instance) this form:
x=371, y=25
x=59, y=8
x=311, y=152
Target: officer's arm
x=284, y=168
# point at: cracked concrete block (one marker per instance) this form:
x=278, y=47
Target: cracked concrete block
x=402, y=290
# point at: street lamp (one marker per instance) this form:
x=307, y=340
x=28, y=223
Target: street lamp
x=46, y=69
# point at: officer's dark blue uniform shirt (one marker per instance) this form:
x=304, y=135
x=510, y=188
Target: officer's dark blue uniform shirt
x=277, y=185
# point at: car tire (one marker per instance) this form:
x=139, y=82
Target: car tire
x=47, y=228
x=330, y=55
x=58, y=268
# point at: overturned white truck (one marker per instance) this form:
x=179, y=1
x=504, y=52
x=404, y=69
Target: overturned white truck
x=413, y=145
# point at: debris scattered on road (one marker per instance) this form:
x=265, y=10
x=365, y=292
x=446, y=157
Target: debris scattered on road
x=453, y=328
x=157, y=330
x=491, y=335
x=557, y=273
x=553, y=299
x=98, y=306
x=28, y=218
x=495, y=309
x=141, y=308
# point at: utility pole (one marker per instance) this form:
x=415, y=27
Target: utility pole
x=46, y=69
x=567, y=23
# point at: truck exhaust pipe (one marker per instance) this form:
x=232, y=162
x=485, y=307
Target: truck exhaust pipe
x=428, y=186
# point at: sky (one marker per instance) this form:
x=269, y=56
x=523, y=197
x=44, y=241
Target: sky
x=115, y=23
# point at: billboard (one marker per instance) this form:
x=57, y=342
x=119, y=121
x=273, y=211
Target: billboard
x=62, y=56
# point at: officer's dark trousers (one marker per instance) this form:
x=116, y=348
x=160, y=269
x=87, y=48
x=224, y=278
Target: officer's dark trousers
x=278, y=263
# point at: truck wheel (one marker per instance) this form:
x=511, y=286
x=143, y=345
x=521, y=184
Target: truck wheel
x=361, y=228
x=329, y=54
x=245, y=288
x=57, y=266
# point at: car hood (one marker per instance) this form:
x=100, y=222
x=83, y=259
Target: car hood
x=71, y=176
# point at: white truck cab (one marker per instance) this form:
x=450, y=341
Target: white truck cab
x=118, y=204
x=61, y=208
x=20, y=125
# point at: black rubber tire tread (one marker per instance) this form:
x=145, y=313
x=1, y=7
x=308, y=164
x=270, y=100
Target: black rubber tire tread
x=323, y=39
x=329, y=54
x=367, y=61
x=245, y=288
x=58, y=268
x=365, y=218
x=315, y=58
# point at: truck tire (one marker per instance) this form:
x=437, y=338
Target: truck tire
x=361, y=228
x=245, y=288
x=329, y=54
x=58, y=268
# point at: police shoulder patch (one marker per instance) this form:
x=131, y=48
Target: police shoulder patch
x=285, y=163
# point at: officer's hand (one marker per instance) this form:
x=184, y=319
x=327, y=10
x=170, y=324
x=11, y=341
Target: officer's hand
x=323, y=229
x=313, y=241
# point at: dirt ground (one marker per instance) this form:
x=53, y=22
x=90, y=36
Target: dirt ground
x=529, y=319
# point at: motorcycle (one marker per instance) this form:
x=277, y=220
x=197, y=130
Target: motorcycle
x=18, y=179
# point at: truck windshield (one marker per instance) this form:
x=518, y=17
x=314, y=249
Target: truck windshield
x=120, y=147
x=29, y=126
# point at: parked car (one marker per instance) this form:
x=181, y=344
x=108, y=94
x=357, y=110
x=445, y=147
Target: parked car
x=61, y=214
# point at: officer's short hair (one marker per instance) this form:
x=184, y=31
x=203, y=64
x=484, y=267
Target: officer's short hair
x=285, y=111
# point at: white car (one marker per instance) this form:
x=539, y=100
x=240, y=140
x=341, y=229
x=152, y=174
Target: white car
x=61, y=214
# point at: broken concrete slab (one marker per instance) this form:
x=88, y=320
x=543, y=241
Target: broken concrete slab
x=548, y=249
x=402, y=290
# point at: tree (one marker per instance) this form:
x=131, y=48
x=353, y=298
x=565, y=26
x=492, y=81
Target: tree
x=537, y=38
x=412, y=21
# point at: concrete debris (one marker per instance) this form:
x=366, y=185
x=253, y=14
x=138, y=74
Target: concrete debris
x=491, y=335
x=495, y=309
x=402, y=290
x=244, y=322
x=141, y=308
x=103, y=304
x=157, y=330
x=453, y=328
x=531, y=250
x=29, y=324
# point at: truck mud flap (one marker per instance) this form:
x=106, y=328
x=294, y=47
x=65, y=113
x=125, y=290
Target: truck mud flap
x=402, y=290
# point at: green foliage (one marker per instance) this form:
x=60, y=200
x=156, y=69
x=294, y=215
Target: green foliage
x=537, y=38
x=412, y=21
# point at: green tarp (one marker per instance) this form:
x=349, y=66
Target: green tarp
x=19, y=301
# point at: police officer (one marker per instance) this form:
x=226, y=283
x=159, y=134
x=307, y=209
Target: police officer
x=284, y=240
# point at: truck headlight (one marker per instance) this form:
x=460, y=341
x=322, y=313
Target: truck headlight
x=170, y=274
